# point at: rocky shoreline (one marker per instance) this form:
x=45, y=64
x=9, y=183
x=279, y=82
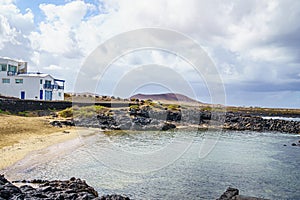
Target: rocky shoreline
x=150, y=119
x=72, y=189
x=242, y=122
x=48, y=190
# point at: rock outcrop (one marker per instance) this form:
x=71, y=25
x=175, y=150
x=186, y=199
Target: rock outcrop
x=75, y=189
x=149, y=119
x=67, y=190
x=233, y=194
x=234, y=121
x=128, y=120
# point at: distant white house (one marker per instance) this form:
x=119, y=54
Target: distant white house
x=15, y=81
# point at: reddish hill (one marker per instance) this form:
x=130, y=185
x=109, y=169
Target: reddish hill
x=165, y=97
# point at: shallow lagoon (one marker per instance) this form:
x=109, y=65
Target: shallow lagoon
x=175, y=164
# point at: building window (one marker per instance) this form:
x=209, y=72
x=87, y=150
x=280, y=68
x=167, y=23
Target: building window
x=5, y=80
x=3, y=67
x=19, y=81
x=47, y=82
x=59, y=94
x=41, y=81
x=12, y=68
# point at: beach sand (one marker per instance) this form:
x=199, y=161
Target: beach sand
x=20, y=136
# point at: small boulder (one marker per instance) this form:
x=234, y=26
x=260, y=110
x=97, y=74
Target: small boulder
x=168, y=126
x=229, y=194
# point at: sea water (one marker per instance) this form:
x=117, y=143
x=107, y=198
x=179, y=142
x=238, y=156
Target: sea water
x=185, y=164
x=296, y=119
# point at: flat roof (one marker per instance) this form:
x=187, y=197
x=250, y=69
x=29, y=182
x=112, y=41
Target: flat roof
x=34, y=75
x=59, y=80
x=11, y=59
x=40, y=75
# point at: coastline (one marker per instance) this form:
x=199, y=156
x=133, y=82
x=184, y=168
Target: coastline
x=53, y=152
x=10, y=155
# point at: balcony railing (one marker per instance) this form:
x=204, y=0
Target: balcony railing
x=53, y=87
x=11, y=73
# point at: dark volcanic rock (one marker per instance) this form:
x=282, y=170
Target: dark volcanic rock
x=65, y=190
x=133, y=119
x=61, y=123
x=233, y=194
x=229, y=194
x=174, y=116
x=8, y=190
x=168, y=126
x=149, y=119
x=236, y=121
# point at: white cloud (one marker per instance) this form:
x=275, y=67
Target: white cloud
x=53, y=67
x=58, y=33
x=14, y=29
x=250, y=41
x=13, y=25
x=69, y=14
x=247, y=28
x=7, y=33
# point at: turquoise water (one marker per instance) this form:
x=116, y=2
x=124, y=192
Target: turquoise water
x=175, y=165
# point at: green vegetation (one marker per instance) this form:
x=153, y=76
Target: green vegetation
x=86, y=111
x=173, y=107
x=213, y=108
x=151, y=104
x=24, y=114
x=4, y=112
x=135, y=107
x=28, y=114
x=206, y=108
x=68, y=112
x=155, y=105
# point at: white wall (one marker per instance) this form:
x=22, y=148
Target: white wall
x=55, y=92
x=8, y=61
x=31, y=85
x=56, y=95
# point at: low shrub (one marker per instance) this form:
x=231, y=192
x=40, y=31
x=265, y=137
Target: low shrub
x=86, y=111
x=173, y=107
x=68, y=112
x=28, y=114
x=4, y=112
x=135, y=107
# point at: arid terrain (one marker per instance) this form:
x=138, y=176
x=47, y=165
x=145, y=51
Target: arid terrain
x=22, y=135
x=15, y=128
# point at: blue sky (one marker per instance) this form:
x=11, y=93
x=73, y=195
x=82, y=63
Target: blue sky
x=39, y=16
x=255, y=45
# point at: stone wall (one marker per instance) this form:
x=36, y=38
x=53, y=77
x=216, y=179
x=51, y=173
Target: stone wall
x=18, y=105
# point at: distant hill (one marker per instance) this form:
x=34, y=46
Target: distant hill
x=170, y=97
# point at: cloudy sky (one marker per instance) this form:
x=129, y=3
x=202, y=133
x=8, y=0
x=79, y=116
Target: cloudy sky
x=254, y=45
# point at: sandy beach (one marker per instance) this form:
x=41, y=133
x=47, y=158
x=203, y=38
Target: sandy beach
x=19, y=136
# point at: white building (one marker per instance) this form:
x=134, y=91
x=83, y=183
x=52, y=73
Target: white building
x=15, y=81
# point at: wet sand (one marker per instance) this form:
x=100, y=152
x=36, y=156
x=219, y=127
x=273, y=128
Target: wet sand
x=11, y=154
x=20, y=136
